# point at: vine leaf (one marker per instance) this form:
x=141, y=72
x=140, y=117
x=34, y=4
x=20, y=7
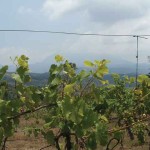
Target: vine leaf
x=88, y=63
x=3, y=71
x=59, y=58
x=17, y=78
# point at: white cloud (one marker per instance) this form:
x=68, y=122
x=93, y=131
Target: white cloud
x=98, y=16
x=84, y=16
x=57, y=8
x=34, y=55
x=108, y=11
x=8, y=52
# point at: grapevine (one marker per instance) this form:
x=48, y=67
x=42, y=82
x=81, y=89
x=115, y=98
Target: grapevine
x=87, y=110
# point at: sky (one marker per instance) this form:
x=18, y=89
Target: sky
x=82, y=16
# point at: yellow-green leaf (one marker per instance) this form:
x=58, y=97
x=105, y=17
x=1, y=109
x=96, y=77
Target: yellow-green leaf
x=88, y=63
x=142, y=78
x=69, y=88
x=59, y=58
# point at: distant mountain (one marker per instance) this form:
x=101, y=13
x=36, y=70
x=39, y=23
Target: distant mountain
x=115, y=62
x=117, y=65
x=38, y=79
x=143, y=68
x=124, y=68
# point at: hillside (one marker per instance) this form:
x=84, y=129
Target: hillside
x=40, y=79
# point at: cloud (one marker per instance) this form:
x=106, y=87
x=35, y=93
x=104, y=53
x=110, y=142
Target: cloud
x=83, y=16
x=56, y=8
x=8, y=52
x=108, y=11
x=34, y=55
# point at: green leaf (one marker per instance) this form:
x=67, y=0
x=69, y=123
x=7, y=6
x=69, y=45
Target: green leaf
x=102, y=71
x=142, y=78
x=103, y=62
x=141, y=137
x=2, y=92
x=83, y=74
x=104, y=118
x=17, y=78
x=104, y=82
x=115, y=75
x=23, y=61
x=8, y=129
x=88, y=63
x=118, y=135
x=3, y=71
x=132, y=80
x=67, y=107
x=36, y=131
x=22, y=71
x=56, y=81
x=27, y=78
x=91, y=142
x=59, y=58
x=49, y=136
x=90, y=117
x=69, y=88
x=102, y=133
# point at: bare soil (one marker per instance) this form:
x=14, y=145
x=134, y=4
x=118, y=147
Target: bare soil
x=21, y=141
